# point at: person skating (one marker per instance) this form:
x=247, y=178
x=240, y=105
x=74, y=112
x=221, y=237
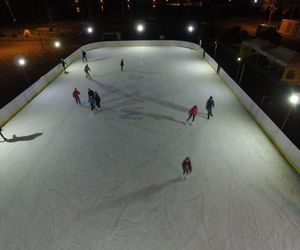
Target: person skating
x=76, y=94
x=92, y=102
x=90, y=93
x=84, y=58
x=122, y=64
x=186, y=166
x=192, y=113
x=4, y=138
x=97, y=99
x=209, y=105
x=63, y=63
x=86, y=70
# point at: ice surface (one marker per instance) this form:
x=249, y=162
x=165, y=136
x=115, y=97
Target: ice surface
x=112, y=179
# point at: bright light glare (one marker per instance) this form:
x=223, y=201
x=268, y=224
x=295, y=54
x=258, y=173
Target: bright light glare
x=140, y=28
x=22, y=61
x=255, y=1
x=190, y=28
x=89, y=30
x=239, y=59
x=294, y=99
x=57, y=44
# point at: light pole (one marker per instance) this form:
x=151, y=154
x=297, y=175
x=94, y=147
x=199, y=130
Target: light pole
x=190, y=29
x=294, y=100
x=239, y=59
x=140, y=28
x=241, y=76
x=216, y=46
x=40, y=38
x=21, y=61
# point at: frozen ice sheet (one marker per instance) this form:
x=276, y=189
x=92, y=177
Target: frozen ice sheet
x=76, y=180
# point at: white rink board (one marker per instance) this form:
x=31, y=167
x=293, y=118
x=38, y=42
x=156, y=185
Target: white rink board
x=290, y=151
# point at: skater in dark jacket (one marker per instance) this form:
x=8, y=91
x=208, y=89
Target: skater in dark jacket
x=76, y=94
x=209, y=105
x=122, y=64
x=86, y=70
x=2, y=135
x=84, y=59
x=186, y=166
x=63, y=63
x=97, y=99
x=90, y=93
x=192, y=113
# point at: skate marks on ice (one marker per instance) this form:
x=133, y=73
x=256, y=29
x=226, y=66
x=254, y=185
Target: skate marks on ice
x=131, y=113
x=202, y=115
x=24, y=138
x=137, y=113
x=140, y=195
x=140, y=97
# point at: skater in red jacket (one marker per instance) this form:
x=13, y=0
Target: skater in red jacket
x=186, y=166
x=76, y=94
x=192, y=113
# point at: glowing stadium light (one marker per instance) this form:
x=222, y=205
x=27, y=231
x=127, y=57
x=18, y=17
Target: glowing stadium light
x=294, y=99
x=57, y=44
x=190, y=28
x=89, y=30
x=140, y=28
x=21, y=61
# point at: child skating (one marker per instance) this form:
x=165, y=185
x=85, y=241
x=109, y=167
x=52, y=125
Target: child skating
x=63, y=63
x=86, y=70
x=186, y=166
x=97, y=99
x=92, y=102
x=76, y=94
x=84, y=58
x=192, y=113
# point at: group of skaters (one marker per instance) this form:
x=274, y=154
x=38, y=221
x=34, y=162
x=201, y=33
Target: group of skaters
x=94, y=98
x=86, y=69
x=210, y=104
x=94, y=101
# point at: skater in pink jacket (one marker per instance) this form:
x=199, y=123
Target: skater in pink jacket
x=76, y=94
x=192, y=113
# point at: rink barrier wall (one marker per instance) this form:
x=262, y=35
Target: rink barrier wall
x=285, y=146
x=211, y=62
x=13, y=107
x=280, y=140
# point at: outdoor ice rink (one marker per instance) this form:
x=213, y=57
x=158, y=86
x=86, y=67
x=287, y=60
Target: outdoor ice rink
x=76, y=180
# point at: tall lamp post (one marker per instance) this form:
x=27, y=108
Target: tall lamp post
x=216, y=46
x=140, y=28
x=294, y=100
x=239, y=59
x=21, y=61
x=190, y=29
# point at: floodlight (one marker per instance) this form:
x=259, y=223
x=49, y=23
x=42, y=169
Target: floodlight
x=191, y=28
